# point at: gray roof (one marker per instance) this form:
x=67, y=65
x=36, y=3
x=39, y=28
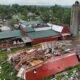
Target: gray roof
x=41, y=34
x=29, y=25
x=29, y=29
x=29, y=22
x=10, y=34
x=32, y=35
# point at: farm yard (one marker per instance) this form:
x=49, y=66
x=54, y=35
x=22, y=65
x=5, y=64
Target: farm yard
x=8, y=69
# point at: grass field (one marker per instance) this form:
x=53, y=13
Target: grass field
x=7, y=71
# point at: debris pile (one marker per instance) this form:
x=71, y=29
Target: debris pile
x=27, y=59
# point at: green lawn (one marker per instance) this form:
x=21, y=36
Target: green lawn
x=7, y=72
x=4, y=54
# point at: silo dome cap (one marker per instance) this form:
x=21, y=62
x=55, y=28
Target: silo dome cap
x=77, y=2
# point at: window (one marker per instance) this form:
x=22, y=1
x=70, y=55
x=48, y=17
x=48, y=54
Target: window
x=34, y=71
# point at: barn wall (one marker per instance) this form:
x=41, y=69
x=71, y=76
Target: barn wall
x=52, y=67
x=46, y=39
x=65, y=30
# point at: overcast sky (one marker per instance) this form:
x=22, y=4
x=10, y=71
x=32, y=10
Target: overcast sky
x=38, y=2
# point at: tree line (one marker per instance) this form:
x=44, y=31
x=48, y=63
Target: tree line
x=55, y=14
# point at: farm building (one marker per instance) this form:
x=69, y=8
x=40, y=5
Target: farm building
x=29, y=34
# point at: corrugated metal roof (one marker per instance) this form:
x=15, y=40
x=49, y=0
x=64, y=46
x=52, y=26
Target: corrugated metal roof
x=10, y=34
x=29, y=29
x=27, y=25
x=30, y=22
x=41, y=34
x=42, y=28
x=57, y=28
x=26, y=39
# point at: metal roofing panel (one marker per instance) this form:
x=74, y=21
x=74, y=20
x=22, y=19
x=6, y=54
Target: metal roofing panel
x=42, y=28
x=41, y=34
x=26, y=39
x=10, y=34
x=29, y=22
x=27, y=28
x=57, y=28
